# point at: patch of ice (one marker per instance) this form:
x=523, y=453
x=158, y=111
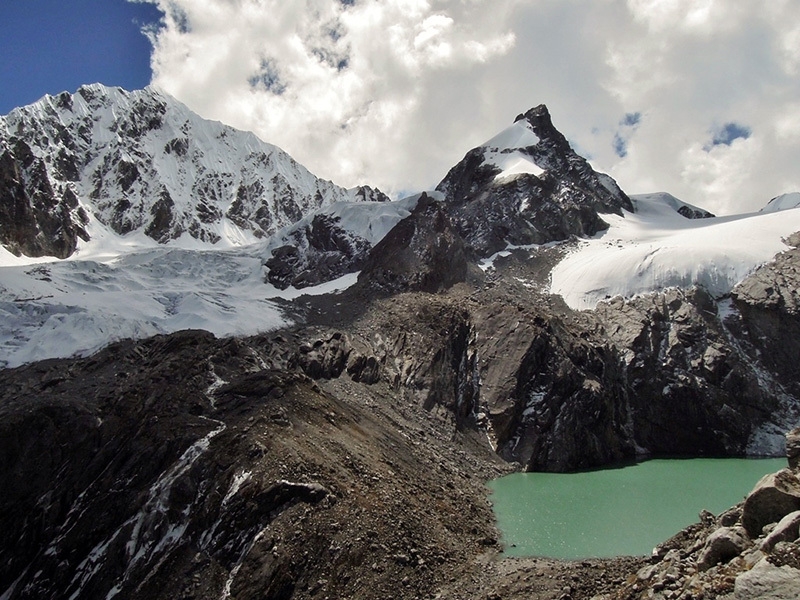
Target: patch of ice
x=75, y=307
x=518, y=135
x=236, y=483
x=512, y=163
x=488, y=263
x=329, y=287
x=506, y=151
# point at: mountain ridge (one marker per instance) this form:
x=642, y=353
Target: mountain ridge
x=142, y=162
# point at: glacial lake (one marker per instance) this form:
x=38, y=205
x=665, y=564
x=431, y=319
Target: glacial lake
x=623, y=511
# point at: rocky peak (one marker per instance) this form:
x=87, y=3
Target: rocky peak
x=527, y=185
x=423, y=252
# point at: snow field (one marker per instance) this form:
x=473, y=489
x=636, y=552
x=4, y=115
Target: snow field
x=656, y=248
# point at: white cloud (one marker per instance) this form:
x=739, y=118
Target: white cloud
x=394, y=92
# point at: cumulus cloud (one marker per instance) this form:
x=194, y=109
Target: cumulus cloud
x=695, y=97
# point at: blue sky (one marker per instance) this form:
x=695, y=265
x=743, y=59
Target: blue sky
x=48, y=46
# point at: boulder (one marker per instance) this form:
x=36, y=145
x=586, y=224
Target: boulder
x=774, y=496
x=787, y=530
x=722, y=545
x=765, y=581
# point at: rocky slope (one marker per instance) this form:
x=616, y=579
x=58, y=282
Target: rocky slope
x=142, y=162
x=191, y=467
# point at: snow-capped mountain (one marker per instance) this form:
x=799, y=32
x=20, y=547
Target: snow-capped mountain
x=78, y=166
x=527, y=186
x=783, y=202
x=527, y=309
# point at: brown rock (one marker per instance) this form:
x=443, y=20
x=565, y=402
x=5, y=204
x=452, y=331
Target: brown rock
x=775, y=496
x=787, y=530
x=722, y=545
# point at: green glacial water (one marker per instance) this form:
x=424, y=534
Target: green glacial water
x=617, y=512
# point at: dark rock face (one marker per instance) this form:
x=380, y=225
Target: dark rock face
x=692, y=388
x=793, y=448
x=321, y=251
x=568, y=409
x=694, y=213
x=423, y=346
x=421, y=253
x=35, y=219
x=529, y=209
x=769, y=303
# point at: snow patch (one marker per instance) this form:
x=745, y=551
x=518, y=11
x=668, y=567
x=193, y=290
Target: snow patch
x=657, y=248
x=518, y=135
x=514, y=163
x=488, y=263
x=329, y=287
x=782, y=202
x=661, y=204
x=507, y=152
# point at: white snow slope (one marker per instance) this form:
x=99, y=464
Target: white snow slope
x=506, y=151
x=656, y=248
x=121, y=287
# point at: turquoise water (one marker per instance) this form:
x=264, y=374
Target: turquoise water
x=617, y=512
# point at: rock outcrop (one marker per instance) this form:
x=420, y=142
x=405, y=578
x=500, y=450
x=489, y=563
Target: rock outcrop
x=666, y=373
x=423, y=252
x=36, y=219
x=769, y=302
x=317, y=253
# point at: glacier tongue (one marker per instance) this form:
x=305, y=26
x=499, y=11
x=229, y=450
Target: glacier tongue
x=75, y=307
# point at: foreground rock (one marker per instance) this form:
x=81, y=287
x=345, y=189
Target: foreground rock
x=189, y=467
